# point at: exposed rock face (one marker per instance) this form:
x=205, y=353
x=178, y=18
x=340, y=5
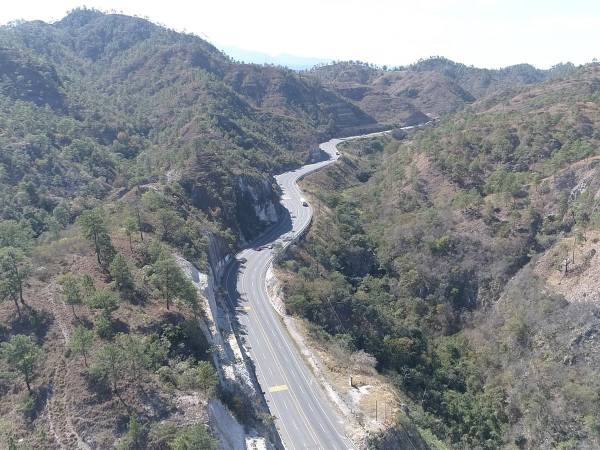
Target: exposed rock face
x=230, y=432
x=246, y=203
x=315, y=154
x=218, y=255
x=235, y=374
x=257, y=205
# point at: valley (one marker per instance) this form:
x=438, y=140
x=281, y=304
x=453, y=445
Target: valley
x=199, y=253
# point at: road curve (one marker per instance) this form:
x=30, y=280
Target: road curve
x=304, y=416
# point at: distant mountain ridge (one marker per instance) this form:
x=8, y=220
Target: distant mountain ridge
x=284, y=59
x=175, y=95
x=432, y=86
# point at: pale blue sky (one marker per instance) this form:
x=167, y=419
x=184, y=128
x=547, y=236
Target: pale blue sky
x=485, y=33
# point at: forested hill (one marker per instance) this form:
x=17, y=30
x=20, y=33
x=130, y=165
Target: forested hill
x=464, y=257
x=101, y=101
x=431, y=86
x=124, y=149
x=130, y=153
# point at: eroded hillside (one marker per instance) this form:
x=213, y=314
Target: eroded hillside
x=431, y=87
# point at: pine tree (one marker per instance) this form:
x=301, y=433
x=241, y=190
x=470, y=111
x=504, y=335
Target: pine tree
x=120, y=273
x=95, y=229
x=22, y=355
x=82, y=340
x=14, y=269
x=131, y=227
x=172, y=282
x=71, y=290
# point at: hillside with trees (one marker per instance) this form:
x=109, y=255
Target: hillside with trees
x=132, y=101
x=124, y=148
x=134, y=159
x=463, y=257
x=431, y=87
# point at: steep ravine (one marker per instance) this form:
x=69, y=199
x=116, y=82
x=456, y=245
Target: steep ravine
x=247, y=298
x=265, y=209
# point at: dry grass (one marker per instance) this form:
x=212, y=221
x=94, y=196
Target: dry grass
x=582, y=282
x=370, y=391
x=70, y=413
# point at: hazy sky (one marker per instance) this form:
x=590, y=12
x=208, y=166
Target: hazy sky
x=485, y=33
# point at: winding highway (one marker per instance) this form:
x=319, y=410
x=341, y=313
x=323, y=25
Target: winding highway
x=304, y=416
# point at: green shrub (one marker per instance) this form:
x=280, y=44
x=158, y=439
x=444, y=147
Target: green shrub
x=135, y=437
x=104, y=327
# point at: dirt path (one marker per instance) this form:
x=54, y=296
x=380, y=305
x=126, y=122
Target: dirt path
x=58, y=406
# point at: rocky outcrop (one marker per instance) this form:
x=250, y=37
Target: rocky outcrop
x=257, y=205
x=315, y=154
x=400, y=436
x=219, y=254
x=235, y=374
x=247, y=204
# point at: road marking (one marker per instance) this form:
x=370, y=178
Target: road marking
x=278, y=388
x=280, y=425
x=297, y=363
x=261, y=328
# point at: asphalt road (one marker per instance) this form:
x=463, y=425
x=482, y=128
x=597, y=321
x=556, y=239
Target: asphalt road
x=305, y=417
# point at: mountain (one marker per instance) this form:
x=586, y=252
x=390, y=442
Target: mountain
x=285, y=60
x=463, y=257
x=135, y=161
x=172, y=95
x=431, y=87
x=130, y=156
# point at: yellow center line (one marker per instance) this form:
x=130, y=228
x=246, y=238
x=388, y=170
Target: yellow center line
x=278, y=388
x=295, y=400
x=260, y=372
